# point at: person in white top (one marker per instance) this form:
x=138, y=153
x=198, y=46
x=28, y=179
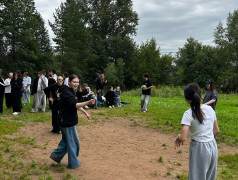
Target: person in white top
x=26, y=83
x=42, y=84
x=201, y=123
x=54, y=75
x=66, y=78
x=8, y=94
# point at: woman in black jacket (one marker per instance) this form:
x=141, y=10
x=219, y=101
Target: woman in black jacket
x=16, y=86
x=68, y=119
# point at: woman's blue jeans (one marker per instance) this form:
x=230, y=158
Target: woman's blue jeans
x=69, y=144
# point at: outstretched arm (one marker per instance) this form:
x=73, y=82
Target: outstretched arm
x=182, y=137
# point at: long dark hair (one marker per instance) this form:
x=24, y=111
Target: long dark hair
x=192, y=93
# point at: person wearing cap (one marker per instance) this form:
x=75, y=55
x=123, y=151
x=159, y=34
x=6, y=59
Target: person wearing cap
x=146, y=92
x=210, y=97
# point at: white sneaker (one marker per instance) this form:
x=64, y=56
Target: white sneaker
x=15, y=113
x=86, y=107
x=113, y=106
x=110, y=106
x=33, y=110
x=144, y=111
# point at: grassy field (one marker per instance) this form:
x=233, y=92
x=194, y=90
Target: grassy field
x=165, y=112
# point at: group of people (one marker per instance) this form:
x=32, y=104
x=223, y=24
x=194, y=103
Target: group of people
x=199, y=120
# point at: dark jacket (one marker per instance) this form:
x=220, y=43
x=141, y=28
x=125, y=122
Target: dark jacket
x=51, y=81
x=34, y=86
x=68, y=115
x=54, y=91
x=100, y=84
x=110, y=96
x=2, y=88
x=16, y=86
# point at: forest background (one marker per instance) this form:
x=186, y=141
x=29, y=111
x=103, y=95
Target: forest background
x=97, y=35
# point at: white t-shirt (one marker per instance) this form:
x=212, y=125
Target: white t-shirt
x=66, y=81
x=7, y=88
x=197, y=131
x=26, y=81
x=55, y=77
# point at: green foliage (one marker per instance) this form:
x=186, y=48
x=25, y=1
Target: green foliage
x=24, y=39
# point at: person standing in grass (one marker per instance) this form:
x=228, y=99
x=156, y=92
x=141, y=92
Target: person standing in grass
x=117, y=92
x=210, y=95
x=16, y=86
x=68, y=119
x=146, y=92
x=2, y=90
x=201, y=123
x=8, y=94
x=53, y=93
x=26, y=88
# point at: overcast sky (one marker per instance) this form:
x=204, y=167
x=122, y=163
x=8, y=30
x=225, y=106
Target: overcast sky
x=170, y=22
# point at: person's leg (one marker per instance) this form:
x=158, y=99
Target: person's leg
x=14, y=103
x=142, y=102
x=73, y=147
x=8, y=100
x=146, y=102
x=58, y=154
x=211, y=173
x=1, y=103
x=28, y=97
x=17, y=104
x=199, y=160
x=44, y=102
x=24, y=97
x=55, y=124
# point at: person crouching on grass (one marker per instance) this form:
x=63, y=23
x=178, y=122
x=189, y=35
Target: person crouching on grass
x=201, y=123
x=68, y=118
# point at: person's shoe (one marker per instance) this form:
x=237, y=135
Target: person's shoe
x=113, y=106
x=54, y=159
x=15, y=113
x=33, y=110
x=144, y=111
x=110, y=106
x=86, y=107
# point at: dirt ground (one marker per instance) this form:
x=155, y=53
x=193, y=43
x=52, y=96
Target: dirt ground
x=116, y=150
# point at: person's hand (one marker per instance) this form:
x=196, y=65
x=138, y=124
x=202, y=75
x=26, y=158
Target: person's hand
x=178, y=142
x=88, y=116
x=51, y=99
x=91, y=101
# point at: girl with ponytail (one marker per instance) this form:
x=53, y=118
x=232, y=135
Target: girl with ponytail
x=200, y=121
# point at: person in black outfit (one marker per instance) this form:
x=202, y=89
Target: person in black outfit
x=146, y=92
x=51, y=81
x=100, y=83
x=53, y=93
x=68, y=117
x=79, y=94
x=110, y=97
x=2, y=90
x=16, y=89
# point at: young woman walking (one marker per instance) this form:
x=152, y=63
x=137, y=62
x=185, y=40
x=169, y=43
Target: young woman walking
x=201, y=123
x=68, y=119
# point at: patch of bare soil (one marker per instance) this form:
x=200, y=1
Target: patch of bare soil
x=116, y=150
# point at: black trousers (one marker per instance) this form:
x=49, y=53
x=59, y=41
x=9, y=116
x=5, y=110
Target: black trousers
x=1, y=103
x=16, y=103
x=8, y=98
x=55, y=112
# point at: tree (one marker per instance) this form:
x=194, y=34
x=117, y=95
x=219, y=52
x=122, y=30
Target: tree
x=24, y=37
x=196, y=63
x=226, y=40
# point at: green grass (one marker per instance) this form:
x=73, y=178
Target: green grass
x=165, y=111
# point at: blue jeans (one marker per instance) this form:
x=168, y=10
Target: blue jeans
x=68, y=144
x=118, y=102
